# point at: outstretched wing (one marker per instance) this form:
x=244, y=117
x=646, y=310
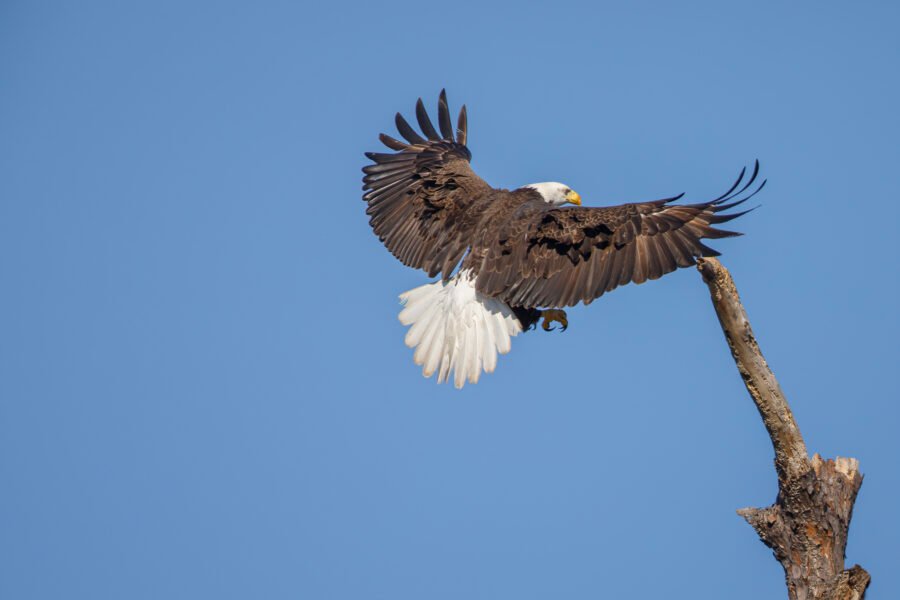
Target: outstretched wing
x=421, y=198
x=571, y=255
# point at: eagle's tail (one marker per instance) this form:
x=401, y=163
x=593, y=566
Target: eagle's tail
x=456, y=328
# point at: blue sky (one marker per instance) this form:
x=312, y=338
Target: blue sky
x=203, y=386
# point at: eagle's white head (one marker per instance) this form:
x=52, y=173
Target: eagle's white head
x=556, y=193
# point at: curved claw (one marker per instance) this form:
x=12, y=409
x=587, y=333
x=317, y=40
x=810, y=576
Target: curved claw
x=554, y=315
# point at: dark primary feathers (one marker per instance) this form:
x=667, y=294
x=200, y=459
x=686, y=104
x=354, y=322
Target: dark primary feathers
x=429, y=208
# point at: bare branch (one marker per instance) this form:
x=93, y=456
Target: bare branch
x=807, y=526
x=791, y=458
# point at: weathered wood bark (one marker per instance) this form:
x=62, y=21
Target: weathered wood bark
x=807, y=526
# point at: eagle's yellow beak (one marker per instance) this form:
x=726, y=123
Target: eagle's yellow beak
x=573, y=197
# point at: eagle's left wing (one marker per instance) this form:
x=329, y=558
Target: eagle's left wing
x=576, y=254
x=423, y=200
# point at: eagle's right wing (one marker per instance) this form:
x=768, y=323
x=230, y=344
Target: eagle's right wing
x=420, y=197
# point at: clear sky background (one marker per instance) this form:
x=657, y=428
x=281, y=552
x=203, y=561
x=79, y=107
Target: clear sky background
x=204, y=391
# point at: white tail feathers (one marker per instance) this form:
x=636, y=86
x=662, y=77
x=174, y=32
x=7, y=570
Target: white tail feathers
x=456, y=328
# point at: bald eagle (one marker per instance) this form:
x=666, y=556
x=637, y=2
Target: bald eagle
x=508, y=259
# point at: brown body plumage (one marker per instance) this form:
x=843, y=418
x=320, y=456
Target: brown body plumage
x=434, y=213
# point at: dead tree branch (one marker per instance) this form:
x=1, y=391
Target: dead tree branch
x=807, y=526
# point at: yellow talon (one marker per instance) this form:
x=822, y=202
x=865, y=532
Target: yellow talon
x=554, y=315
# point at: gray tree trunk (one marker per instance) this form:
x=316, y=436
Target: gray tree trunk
x=807, y=526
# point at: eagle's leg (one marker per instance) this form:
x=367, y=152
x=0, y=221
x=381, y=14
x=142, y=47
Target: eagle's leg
x=554, y=315
x=529, y=318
